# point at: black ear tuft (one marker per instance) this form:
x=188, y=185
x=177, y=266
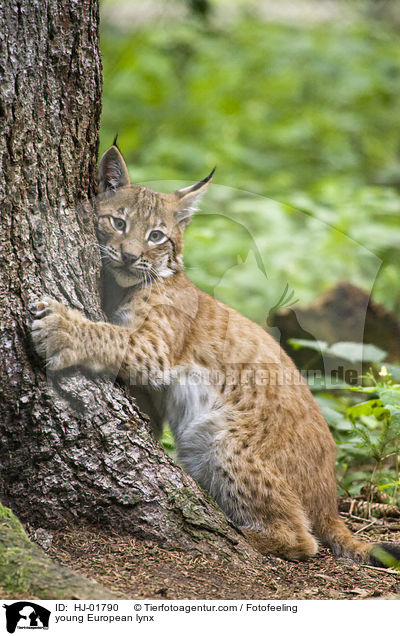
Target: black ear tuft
x=187, y=198
x=204, y=181
x=386, y=555
x=210, y=176
x=197, y=186
x=114, y=143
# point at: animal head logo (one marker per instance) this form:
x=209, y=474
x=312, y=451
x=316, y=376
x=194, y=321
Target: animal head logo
x=26, y=615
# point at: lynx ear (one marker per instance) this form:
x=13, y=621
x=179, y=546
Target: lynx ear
x=113, y=172
x=188, y=198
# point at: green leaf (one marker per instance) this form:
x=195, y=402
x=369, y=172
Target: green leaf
x=317, y=345
x=357, y=352
x=390, y=397
x=362, y=389
x=372, y=407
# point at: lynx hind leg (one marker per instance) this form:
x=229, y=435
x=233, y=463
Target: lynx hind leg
x=279, y=539
x=283, y=528
x=271, y=515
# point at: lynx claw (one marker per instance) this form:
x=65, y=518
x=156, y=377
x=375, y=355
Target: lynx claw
x=44, y=307
x=39, y=310
x=51, y=334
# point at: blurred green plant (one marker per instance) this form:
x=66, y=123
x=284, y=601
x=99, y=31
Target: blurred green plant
x=306, y=116
x=376, y=429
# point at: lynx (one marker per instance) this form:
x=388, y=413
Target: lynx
x=246, y=425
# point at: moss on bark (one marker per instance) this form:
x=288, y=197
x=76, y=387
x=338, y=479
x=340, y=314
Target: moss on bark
x=26, y=571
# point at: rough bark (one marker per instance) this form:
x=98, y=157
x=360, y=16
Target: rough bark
x=73, y=448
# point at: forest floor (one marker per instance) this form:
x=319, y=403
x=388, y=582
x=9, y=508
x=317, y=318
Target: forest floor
x=142, y=570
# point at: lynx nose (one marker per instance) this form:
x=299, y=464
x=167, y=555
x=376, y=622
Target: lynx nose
x=129, y=259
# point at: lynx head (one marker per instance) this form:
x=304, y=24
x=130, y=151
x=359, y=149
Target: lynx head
x=141, y=231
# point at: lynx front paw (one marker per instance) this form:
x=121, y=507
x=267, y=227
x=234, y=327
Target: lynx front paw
x=53, y=334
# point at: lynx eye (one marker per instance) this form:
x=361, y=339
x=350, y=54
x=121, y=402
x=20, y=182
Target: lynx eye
x=156, y=236
x=118, y=223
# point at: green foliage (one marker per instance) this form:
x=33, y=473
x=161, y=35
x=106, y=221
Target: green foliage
x=302, y=115
x=367, y=434
x=376, y=425
x=168, y=443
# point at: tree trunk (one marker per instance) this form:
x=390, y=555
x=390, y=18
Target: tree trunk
x=73, y=448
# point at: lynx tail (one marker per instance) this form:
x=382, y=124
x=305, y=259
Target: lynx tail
x=343, y=543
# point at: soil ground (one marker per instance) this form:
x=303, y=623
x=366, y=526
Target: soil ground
x=139, y=569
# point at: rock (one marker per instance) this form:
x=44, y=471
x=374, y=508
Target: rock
x=344, y=313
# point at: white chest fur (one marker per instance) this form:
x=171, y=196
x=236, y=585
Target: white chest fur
x=123, y=316
x=197, y=421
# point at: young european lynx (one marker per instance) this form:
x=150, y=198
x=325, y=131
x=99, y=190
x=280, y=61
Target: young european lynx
x=245, y=423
